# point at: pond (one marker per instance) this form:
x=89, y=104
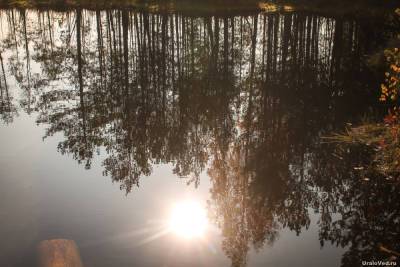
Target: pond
x=173, y=139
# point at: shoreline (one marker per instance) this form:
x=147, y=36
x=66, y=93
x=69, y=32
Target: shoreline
x=207, y=8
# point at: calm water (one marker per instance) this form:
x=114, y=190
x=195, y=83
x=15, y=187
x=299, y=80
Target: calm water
x=108, y=118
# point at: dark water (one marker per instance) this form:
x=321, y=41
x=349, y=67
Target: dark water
x=110, y=117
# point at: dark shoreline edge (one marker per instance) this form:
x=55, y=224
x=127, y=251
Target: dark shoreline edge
x=218, y=7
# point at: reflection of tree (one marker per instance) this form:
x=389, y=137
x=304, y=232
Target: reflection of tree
x=7, y=108
x=248, y=96
x=243, y=214
x=366, y=204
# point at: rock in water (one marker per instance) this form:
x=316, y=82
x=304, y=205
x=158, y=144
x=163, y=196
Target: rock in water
x=59, y=253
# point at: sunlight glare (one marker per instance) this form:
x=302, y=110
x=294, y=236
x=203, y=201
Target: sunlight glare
x=188, y=219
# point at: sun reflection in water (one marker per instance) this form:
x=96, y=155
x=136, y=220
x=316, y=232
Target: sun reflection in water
x=188, y=219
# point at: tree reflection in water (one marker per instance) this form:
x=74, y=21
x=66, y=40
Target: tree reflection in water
x=246, y=98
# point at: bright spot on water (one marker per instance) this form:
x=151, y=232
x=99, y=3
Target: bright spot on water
x=188, y=219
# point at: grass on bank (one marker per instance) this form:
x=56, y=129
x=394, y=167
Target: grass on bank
x=382, y=139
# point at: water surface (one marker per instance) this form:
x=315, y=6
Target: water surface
x=109, y=117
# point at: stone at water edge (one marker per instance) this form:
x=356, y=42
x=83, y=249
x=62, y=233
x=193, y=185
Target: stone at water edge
x=58, y=253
